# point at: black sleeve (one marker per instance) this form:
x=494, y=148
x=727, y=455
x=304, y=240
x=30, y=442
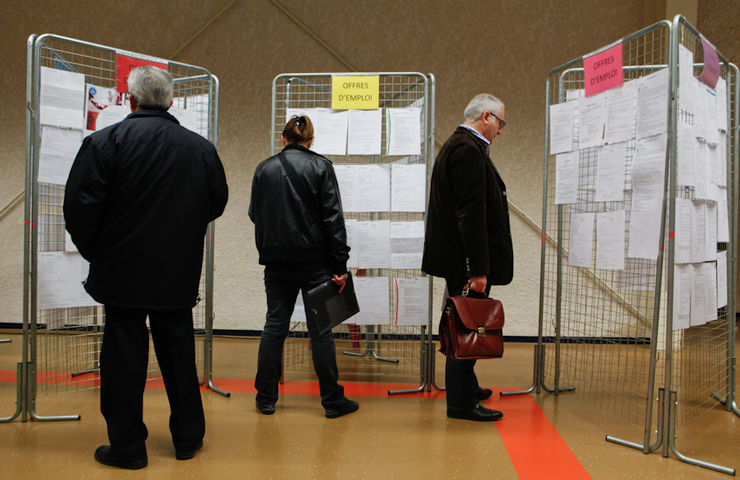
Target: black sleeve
x=332, y=221
x=219, y=189
x=85, y=196
x=468, y=174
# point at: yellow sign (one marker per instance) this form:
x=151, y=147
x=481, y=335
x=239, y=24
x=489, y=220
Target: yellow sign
x=358, y=92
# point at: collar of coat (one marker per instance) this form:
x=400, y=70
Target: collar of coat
x=464, y=131
x=151, y=112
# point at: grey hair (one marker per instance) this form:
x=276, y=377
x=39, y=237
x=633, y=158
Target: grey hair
x=482, y=103
x=151, y=86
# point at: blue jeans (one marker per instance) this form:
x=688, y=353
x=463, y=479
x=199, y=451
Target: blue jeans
x=282, y=287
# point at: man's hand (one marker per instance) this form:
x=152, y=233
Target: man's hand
x=478, y=284
x=341, y=280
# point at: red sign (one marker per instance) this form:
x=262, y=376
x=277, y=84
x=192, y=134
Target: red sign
x=124, y=65
x=603, y=70
x=710, y=73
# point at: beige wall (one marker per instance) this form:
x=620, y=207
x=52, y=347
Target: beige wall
x=505, y=48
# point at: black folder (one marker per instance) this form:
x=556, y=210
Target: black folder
x=328, y=307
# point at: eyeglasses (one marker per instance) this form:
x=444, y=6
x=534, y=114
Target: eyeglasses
x=501, y=123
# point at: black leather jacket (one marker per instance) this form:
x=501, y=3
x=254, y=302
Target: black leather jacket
x=299, y=226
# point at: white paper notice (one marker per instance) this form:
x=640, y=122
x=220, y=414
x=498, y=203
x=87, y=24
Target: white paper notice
x=581, y=240
x=59, y=148
x=364, y=132
x=374, y=301
x=69, y=245
x=620, y=113
x=374, y=188
x=351, y=227
x=644, y=237
x=566, y=178
x=710, y=275
x=648, y=166
x=682, y=284
x=592, y=113
x=364, y=188
x=652, y=104
x=698, y=232
x=610, y=240
x=374, y=244
x=610, y=169
x=686, y=149
x=112, y=114
x=412, y=301
x=698, y=296
x=190, y=119
x=60, y=277
x=407, y=244
x=710, y=226
x=721, y=279
x=723, y=226
x=62, y=98
x=561, y=127
x=329, y=127
x=408, y=188
x=403, y=131
x=684, y=228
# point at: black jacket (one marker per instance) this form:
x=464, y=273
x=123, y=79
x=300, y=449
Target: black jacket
x=138, y=199
x=298, y=226
x=467, y=230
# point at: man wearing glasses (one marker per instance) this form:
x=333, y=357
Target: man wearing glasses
x=468, y=238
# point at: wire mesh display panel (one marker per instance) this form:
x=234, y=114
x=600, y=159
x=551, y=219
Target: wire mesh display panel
x=598, y=323
x=700, y=367
x=65, y=342
x=367, y=349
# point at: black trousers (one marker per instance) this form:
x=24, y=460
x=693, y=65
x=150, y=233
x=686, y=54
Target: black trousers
x=460, y=379
x=281, y=287
x=123, y=367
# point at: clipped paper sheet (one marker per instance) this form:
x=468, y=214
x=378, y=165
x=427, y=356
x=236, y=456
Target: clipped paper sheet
x=591, y=112
x=698, y=295
x=721, y=279
x=374, y=301
x=561, y=127
x=408, y=188
x=620, y=113
x=652, y=104
x=374, y=244
x=365, y=130
x=581, y=240
x=610, y=240
x=59, y=148
x=411, y=301
x=364, y=188
x=60, y=277
x=403, y=131
x=566, y=178
x=62, y=98
x=329, y=127
x=351, y=227
x=610, y=170
x=407, y=244
x=683, y=280
x=684, y=229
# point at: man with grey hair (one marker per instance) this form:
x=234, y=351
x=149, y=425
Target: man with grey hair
x=138, y=200
x=468, y=238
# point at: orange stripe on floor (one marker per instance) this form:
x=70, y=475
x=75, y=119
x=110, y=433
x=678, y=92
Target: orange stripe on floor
x=535, y=448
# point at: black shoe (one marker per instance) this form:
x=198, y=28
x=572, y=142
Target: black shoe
x=483, y=393
x=265, y=407
x=105, y=455
x=349, y=407
x=476, y=414
x=188, y=454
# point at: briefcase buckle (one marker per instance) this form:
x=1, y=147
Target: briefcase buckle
x=481, y=332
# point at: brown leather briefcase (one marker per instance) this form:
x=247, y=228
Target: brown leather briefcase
x=471, y=328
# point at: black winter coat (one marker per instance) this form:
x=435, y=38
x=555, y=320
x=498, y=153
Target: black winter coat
x=138, y=199
x=467, y=230
x=299, y=226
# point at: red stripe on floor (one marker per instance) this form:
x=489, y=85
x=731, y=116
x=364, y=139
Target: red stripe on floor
x=535, y=448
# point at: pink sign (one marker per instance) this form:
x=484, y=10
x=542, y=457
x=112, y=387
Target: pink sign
x=603, y=70
x=710, y=74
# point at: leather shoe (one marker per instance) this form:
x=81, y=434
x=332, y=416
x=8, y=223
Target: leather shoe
x=187, y=454
x=478, y=413
x=106, y=456
x=265, y=407
x=349, y=407
x=483, y=393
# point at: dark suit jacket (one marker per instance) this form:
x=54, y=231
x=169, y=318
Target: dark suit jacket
x=138, y=199
x=467, y=230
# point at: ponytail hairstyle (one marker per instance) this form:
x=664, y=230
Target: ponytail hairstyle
x=299, y=129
